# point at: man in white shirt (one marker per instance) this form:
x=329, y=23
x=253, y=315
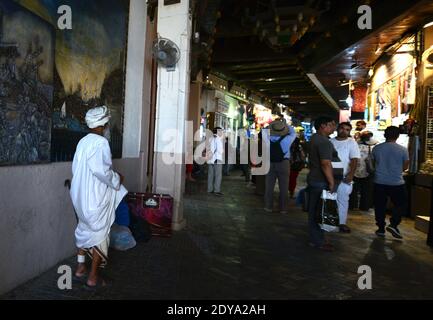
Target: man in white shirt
x=96, y=191
x=215, y=156
x=349, y=154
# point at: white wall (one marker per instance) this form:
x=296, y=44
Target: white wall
x=36, y=221
x=134, y=91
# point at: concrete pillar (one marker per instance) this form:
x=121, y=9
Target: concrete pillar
x=137, y=91
x=174, y=23
x=194, y=105
x=135, y=70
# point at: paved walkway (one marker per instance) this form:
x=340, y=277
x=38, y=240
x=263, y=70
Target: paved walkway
x=232, y=249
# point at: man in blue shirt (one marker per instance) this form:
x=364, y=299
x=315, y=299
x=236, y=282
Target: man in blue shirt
x=390, y=160
x=281, y=138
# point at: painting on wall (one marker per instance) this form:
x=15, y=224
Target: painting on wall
x=26, y=85
x=89, y=70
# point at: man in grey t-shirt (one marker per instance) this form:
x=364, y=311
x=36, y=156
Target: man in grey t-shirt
x=390, y=160
x=320, y=177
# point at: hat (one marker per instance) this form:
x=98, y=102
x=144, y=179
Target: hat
x=278, y=128
x=97, y=117
x=367, y=137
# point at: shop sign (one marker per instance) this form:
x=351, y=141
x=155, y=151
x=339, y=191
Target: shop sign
x=222, y=106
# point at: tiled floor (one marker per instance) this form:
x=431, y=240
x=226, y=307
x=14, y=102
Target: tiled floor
x=232, y=249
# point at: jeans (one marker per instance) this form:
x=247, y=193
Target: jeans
x=399, y=199
x=314, y=190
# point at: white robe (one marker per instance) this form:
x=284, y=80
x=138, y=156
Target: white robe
x=95, y=190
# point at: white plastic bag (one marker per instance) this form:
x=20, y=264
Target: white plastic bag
x=329, y=218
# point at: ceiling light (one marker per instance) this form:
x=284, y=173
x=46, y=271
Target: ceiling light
x=352, y=51
x=349, y=101
x=284, y=96
x=370, y=72
x=303, y=102
x=270, y=79
x=428, y=24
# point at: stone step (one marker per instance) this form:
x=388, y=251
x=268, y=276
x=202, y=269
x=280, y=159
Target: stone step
x=422, y=223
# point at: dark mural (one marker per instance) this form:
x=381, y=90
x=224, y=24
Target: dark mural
x=87, y=69
x=26, y=85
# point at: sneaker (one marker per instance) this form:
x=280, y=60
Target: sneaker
x=267, y=210
x=219, y=194
x=343, y=228
x=284, y=212
x=394, y=231
x=380, y=232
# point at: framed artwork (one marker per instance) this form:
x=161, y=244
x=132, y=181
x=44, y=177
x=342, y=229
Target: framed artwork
x=26, y=85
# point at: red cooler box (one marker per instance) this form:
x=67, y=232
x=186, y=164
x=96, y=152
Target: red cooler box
x=156, y=209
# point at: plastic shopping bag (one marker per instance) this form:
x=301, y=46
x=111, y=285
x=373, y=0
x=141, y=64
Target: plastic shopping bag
x=329, y=220
x=121, y=238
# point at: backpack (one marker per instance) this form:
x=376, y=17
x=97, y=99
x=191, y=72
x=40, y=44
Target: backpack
x=297, y=156
x=277, y=154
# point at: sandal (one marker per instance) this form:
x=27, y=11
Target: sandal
x=80, y=278
x=100, y=284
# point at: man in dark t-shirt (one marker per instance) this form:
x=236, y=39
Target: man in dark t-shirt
x=320, y=177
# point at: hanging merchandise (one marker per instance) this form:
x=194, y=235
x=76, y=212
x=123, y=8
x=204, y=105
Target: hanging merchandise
x=384, y=107
x=345, y=115
x=394, y=97
x=360, y=99
x=411, y=91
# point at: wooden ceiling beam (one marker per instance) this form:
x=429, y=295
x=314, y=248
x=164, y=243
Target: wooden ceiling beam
x=263, y=76
x=327, y=50
x=245, y=51
x=265, y=70
x=239, y=67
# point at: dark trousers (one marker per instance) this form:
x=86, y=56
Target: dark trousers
x=398, y=198
x=246, y=171
x=292, y=181
x=362, y=187
x=280, y=171
x=226, y=169
x=314, y=190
